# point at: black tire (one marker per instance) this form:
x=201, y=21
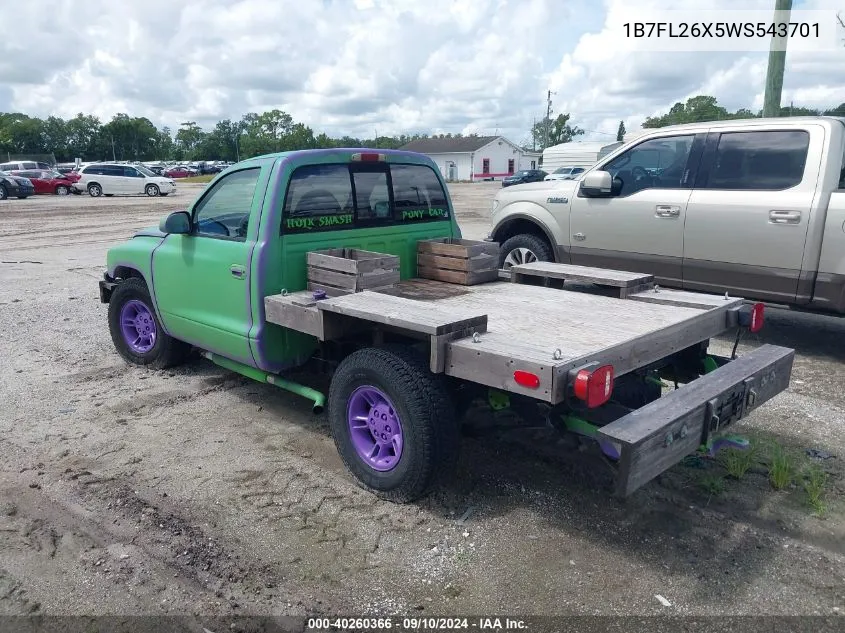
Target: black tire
x=152, y=191
x=62, y=190
x=95, y=190
x=166, y=351
x=22, y=197
x=163, y=195
x=3, y=193
x=431, y=435
x=525, y=249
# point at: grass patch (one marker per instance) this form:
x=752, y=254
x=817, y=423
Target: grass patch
x=713, y=484
x=781, y=469
x=815, y=482
x=738, y=462
x=206, y=178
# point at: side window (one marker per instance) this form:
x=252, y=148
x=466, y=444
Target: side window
x=8, y=166
x=224, y=210
x=92, y=171
x=319, y=197
x=759, y=161
x=29, y=165
x=131, y=172
x=111, y=170
x=659, y=163
x=418, y=195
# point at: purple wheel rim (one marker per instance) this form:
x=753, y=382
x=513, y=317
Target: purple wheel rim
x=138, y=326
x=375, y=428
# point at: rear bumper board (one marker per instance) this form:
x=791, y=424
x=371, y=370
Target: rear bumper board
x=657, y=436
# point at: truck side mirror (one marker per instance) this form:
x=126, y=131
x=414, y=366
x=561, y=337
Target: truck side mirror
x=597, y=183
x=178, y=222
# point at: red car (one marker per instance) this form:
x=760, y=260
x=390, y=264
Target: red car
x=180, y=172
x=47, y=181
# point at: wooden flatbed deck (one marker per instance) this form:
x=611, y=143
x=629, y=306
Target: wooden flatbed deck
x=484, y=333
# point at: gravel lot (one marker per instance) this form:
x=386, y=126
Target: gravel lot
x=195, y=491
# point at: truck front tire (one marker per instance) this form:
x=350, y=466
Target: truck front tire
x=136, y=331
x=524, y=249
x=393, y=423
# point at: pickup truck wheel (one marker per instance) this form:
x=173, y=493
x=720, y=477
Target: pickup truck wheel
x=393, y=423
x=135, y=329
x=524, y=249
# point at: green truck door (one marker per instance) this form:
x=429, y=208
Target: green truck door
x=201, y=279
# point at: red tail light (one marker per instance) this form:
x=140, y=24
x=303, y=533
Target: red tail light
x=526, y=379
x=756, y=318
x=368, y=157
x=594, y=386
x=752, y=317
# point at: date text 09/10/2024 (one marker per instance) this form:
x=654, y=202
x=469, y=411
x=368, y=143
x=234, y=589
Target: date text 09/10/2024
x=316, y=625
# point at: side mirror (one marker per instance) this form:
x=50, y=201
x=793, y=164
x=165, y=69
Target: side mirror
x=178, y=222
x=597, y=183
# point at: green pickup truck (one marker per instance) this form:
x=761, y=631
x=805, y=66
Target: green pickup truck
x=606, y=355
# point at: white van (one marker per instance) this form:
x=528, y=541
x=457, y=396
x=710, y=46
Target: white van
x=22, y=165
x=110, y=179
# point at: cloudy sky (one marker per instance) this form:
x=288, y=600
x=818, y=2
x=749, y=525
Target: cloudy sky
x=359, y=66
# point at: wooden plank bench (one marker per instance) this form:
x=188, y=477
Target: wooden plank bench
x=626, y=282
x=440, y=325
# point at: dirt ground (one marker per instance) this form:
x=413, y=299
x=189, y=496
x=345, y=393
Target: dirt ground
x=195, y=491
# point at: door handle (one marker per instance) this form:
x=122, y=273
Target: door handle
x=237, y=271
x=579, y=236
x=667, y=211
x=784, y=217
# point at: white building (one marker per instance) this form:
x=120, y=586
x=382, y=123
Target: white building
x=575, y=154
x=475, y=157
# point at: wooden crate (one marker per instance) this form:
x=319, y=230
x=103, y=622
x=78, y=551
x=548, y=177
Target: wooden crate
x=465, y=262
x=339, y=271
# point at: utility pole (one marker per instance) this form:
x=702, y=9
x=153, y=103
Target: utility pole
x=777, y=61
x=548, y=119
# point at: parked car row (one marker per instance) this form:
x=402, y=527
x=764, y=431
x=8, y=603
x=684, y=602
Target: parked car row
x=12, y=186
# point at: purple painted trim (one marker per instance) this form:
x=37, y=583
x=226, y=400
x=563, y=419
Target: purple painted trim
x=273, y=193
x=151, y=286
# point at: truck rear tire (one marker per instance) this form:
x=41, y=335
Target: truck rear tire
x=136, y=331
x=393, y=423
x=524, y=249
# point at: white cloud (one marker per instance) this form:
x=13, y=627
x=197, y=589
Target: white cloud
x=353, y=66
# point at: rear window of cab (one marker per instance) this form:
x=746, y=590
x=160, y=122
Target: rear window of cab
x=359, y=195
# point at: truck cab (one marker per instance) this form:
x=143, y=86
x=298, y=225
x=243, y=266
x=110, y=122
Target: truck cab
x=208, y=268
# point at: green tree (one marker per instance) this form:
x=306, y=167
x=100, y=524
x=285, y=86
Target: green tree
x=695, y=110
x=188, y=138
x=620, y=131
x=559, y=131
x=83, y=132
x=837, y=111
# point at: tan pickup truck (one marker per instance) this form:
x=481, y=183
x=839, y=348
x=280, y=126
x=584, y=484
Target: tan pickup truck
x=752, y=207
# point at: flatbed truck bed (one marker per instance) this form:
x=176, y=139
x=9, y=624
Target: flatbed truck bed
x=483, y=334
